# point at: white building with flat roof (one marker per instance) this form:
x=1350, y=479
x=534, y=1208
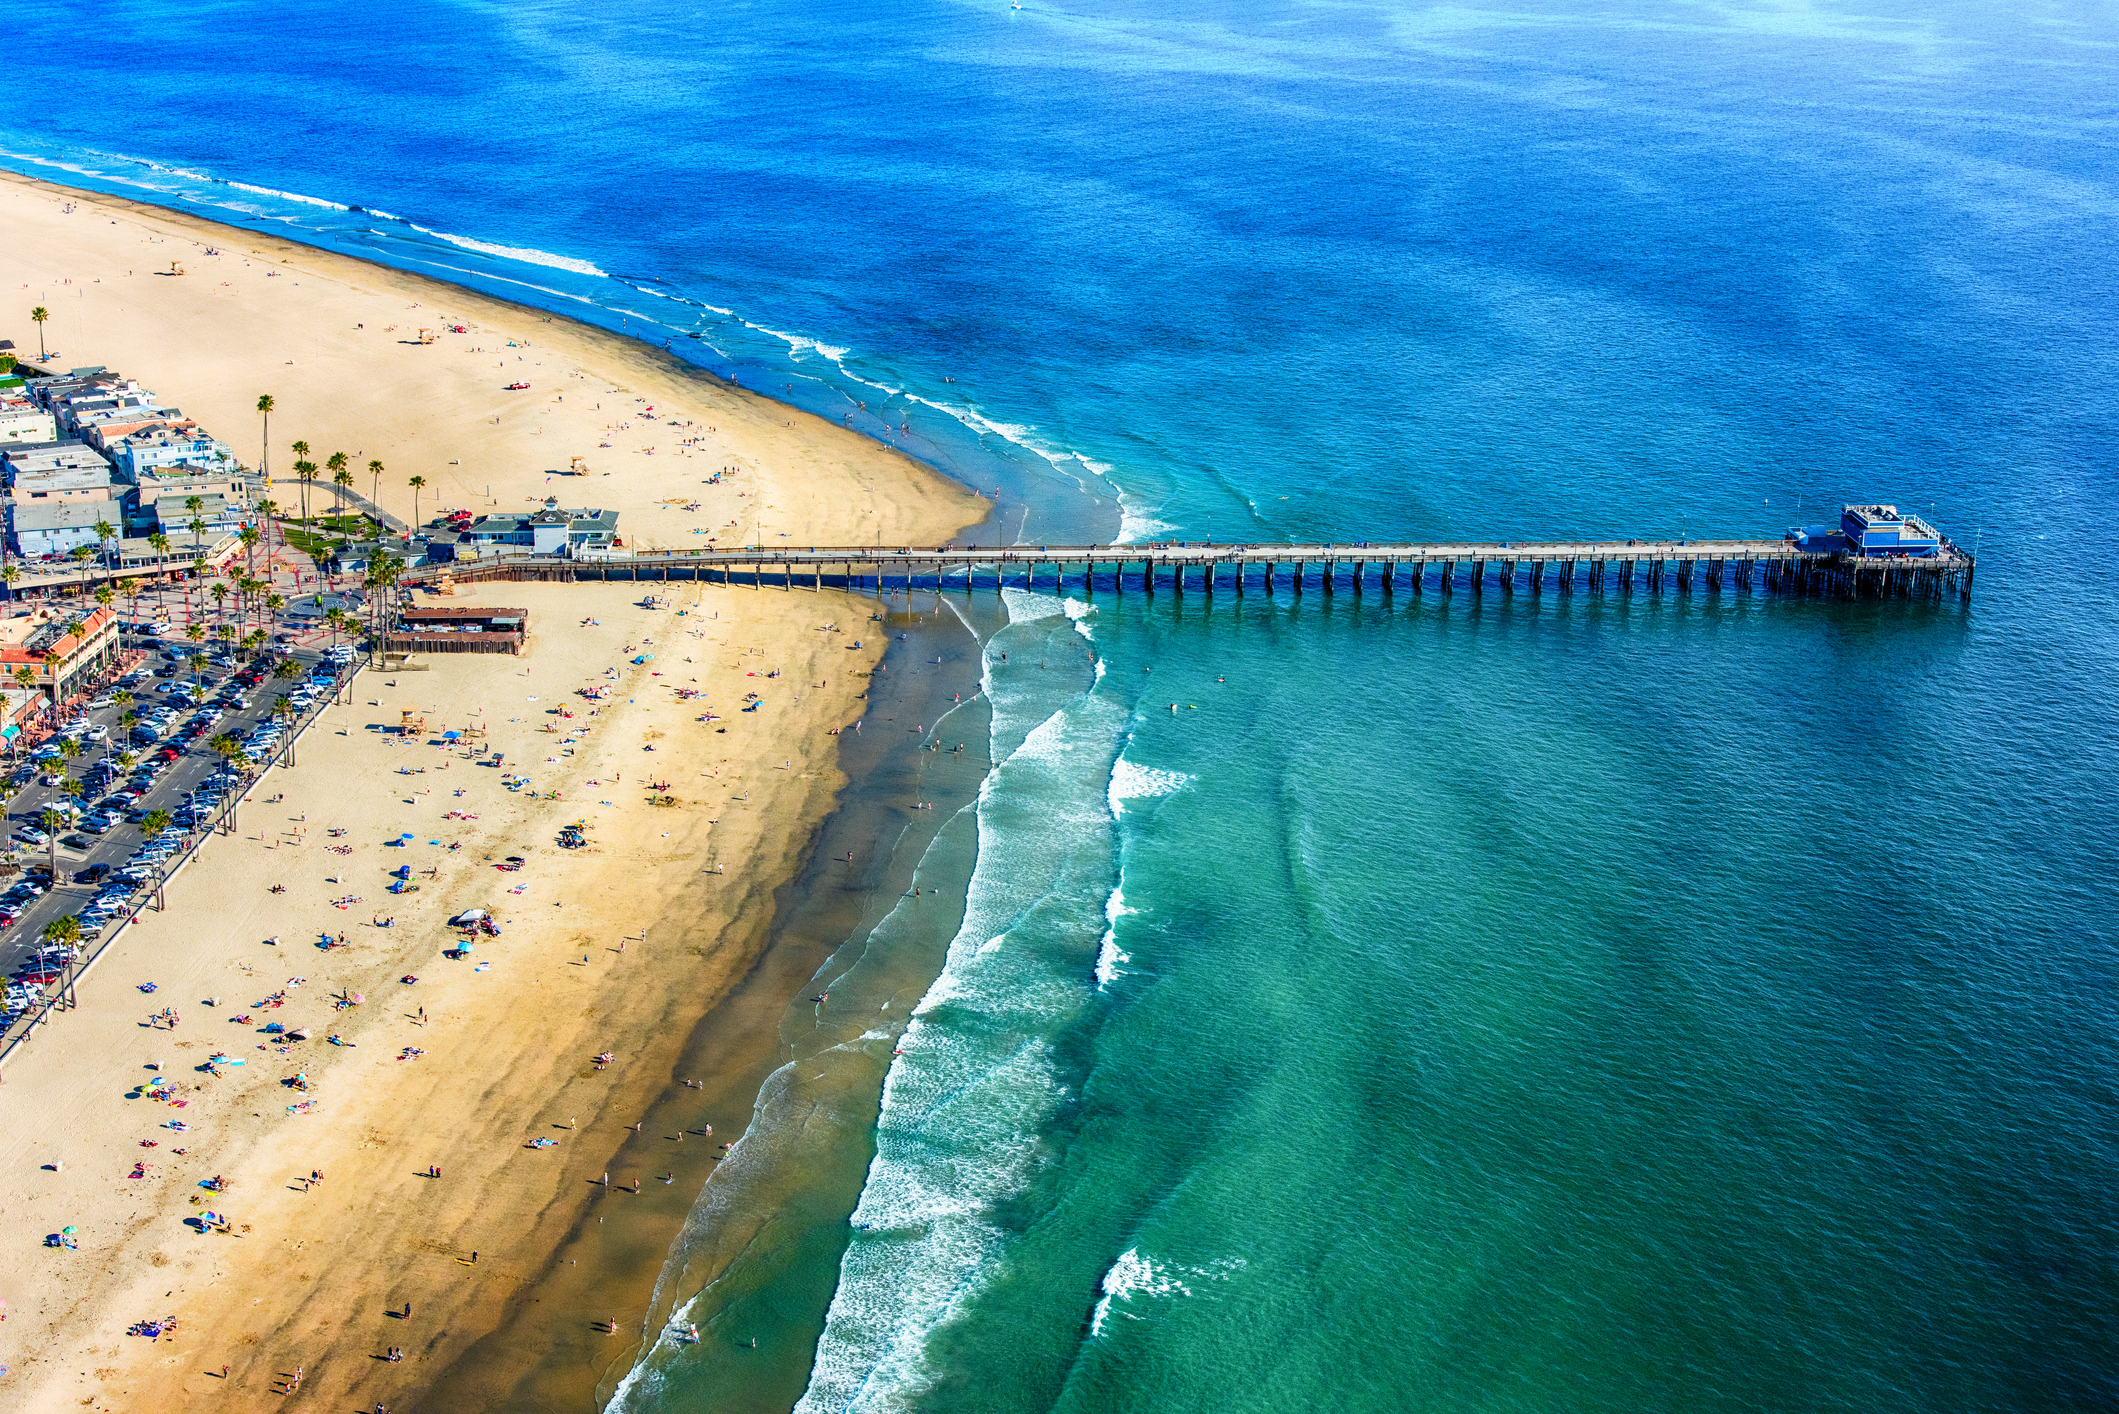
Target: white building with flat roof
x=22, y=422
x=55, y=529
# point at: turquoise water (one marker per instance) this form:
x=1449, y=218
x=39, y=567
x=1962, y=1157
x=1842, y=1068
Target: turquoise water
x=1500, y=1003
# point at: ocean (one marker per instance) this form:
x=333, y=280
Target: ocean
x=1500, y=1003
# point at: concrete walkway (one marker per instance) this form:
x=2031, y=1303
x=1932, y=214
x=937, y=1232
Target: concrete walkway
x=345, y=497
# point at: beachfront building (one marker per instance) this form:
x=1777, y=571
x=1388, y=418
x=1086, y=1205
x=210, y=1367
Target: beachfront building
x=32, y=458
x=163, y=445
x=217, y=513
x=160, y=495
x=60, y=650
x=57, y=471
x=458, y=629
x=17, y=706
x=1873, y=531
x=36, y=531
x=550, y=531
x=21, y=420
x=591, y=532
x=215, y=552
x=72, y=483
x=150, y=446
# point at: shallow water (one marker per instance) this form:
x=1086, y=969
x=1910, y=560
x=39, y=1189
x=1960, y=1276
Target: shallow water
x=1500, y=1003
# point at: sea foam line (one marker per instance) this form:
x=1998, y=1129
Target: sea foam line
x=976, y=1079
x=1137, y=522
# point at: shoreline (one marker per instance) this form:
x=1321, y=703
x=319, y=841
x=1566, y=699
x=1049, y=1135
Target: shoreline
x=494, y=1296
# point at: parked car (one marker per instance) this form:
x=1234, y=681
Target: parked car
x=91, y=874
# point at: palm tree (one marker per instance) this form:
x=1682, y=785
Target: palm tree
x=158, y=542
x=268, y=511
x=383, y=572
x=336, y=464
x=265, y=437
x=250, y=537
x=273, y=604
x=283, y=709
x=342, y=479
x=155, y=822
x=375, y=491
x=63, y=932
x=105, y=531
x=198, y=666
x=8, y=577
x=304, y=470
x=418, y=484
x=51, y=670
x=40, y=314
x=220, y=596
x=51, y=821
x=25, y=677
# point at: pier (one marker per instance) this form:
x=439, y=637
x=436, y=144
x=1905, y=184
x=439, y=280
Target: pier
x=1505, y=567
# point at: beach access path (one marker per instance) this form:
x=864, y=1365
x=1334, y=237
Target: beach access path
x=307, y=1278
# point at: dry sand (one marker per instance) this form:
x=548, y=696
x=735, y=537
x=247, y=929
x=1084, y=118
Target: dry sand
x=332, y=340
x=617, y=948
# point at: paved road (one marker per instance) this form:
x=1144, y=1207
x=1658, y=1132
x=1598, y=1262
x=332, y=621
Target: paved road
x=194, y=764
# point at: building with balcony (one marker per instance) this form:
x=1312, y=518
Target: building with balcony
x=62, y=652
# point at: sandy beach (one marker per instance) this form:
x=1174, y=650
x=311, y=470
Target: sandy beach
x=695, y=812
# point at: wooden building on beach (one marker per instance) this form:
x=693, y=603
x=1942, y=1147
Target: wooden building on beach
x=461, y=629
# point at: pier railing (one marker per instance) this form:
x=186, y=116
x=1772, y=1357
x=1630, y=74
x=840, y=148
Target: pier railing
x=1774, y=566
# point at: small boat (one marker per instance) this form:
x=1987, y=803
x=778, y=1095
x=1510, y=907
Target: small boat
x=517, y=387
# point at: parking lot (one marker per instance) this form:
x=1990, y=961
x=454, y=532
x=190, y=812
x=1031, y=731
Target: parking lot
x=108, y=860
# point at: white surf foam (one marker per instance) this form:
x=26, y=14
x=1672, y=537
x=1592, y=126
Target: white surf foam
x=1026, y=605
x=1134, y=1275
x=1137, y=523
x=526, y=254
x=1132, y=781
x=1111, y=959
x=976, y=1080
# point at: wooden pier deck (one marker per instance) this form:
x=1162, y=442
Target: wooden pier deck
x=1563, y=567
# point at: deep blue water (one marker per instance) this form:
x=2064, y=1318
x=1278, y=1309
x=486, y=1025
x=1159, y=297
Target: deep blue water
x=1499, y=1004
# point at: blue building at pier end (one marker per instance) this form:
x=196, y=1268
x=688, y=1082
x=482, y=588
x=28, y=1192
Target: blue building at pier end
x=1874, y=531
x=1871, y=532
